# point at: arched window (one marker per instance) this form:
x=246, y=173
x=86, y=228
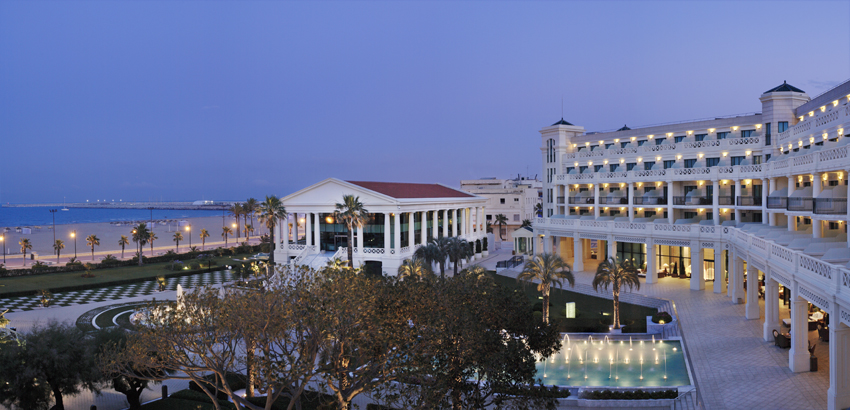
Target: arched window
x=550, y=151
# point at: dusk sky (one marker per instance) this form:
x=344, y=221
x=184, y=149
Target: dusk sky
x=227, y=100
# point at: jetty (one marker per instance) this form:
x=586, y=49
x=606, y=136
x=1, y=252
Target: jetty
x=196, y=205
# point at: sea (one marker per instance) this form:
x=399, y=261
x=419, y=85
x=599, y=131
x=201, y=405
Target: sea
x=39, y=216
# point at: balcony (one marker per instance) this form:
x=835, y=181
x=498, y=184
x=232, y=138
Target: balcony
x=799, y=204
x=691, y=200
x=560, y=200
x=749, y=201
x=830, y=206
x=779, y=202
x=650, y=200
x=581, y=201
x=725, y=200
x=613, y=201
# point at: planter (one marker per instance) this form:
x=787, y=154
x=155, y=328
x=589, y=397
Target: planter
x=485, y=253
x=657, y=328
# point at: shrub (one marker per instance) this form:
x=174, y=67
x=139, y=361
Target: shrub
x=630, y=395
x=484, y=243
x=658, y=317
x=478, y=246
x=45, y=297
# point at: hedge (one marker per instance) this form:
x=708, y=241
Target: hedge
x=629, y=395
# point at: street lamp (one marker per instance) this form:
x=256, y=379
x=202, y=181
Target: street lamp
x=189, y=232
x=3, y=243
x=74, y=235
x=53, y=214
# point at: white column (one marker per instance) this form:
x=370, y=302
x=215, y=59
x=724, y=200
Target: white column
x=578, y=255
x=765, y=186
x=697, y=274
x=771, y=308
x=715, y=201
x=397, y=233
x=792, y=223
x=482, y=230
x=631, y=199
x=359, y=240
x=423, y=236
x=817, y=228
x=798, y=357
x=295, y=228
x=318, y=233
x=719, y=278
x=651, y=269
x=284, y=234
x=411, y=232
x=752, y=308
x=838, y=394
x=733, y=274
x=612, y=246
x=387, y=231
x=771, y=218
x=435, y=222
x=735, y=201
x=596, y=206
x=308, y=233
x=454, y=222
x=445, y=222
x=670, y=193
x=547, y=242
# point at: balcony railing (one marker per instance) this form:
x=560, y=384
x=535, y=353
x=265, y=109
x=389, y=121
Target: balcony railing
x=749, y=201
x=691, y=200
x=777, y=202
x=561, y=200
x=653, y=200
x=830, y=206
x=580, y=201
x=725, y=200
x=800, y=204
x=610, y=201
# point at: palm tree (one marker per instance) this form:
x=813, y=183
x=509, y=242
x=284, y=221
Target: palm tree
x=416, y=267
x=250, y=207
x=123, y=241
x=526, y=223
x=610, y=273
x=25, y=245
x=436, y=251
x=501, y=220
x=204, y=235
x=152, y=237
x=353, y=214
x=271, y=210
x=489, y=227
x=236, y=210
x=58, y=246
x=92, y=240
x=177, y=238
x=141, y=235
x=538, y=209
x=549, y=269
x=458, y=251
x=225, y=231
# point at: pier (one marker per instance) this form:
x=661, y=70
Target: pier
x=216, y=206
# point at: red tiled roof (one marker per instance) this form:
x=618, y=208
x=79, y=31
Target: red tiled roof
x=407, y=190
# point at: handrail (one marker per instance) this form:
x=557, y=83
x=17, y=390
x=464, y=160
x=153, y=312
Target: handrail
x=722, y=117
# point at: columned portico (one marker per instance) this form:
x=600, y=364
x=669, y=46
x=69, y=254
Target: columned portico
x=719, y=269
x=651, y=269
x=752, y=307
x=697, y=274
x=578, y=254
x=771, y=307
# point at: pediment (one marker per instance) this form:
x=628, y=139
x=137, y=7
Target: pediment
x=330, y=192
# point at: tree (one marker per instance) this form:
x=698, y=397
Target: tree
x=271, y=211
x=617, y=276
x=92, y=240
x=458, y=250
x=251, y=206
x=436, y=251
x=25, y=246
x=548, y=269
x=225, y=231
x=353, y=214
x=115, y=338
x=123, y=241
x=141, y=235
x=538, y=209
x=236, y=210
x=416, y=268
x=177, y=238
x=152, y=237
x=58, y=246
x=526, y=223
x=501, y=220
x=204, y=235
x=54, y=359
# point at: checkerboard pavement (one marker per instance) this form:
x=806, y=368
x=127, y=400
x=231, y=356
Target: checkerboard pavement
x=82, y=297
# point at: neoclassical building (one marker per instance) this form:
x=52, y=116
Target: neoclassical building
x=757, y=198
x=402, y=218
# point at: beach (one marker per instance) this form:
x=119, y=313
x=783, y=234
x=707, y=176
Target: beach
x=41, y=238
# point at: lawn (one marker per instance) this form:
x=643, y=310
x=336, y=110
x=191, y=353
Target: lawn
x=17, y=285
x=590, y=310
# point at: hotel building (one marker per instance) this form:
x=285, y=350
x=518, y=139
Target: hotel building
x=402, y=217
x=757, y=199
x=513, y=198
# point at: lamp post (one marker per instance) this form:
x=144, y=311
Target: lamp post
x=74, y=235
x=3, y=243
x=189, y=233
x=53, y=214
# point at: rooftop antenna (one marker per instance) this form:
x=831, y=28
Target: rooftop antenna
x=562, y=106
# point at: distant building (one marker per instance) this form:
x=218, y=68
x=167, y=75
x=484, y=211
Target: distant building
x=514, y=198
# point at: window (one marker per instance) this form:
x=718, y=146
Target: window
x=689, y=163
x=722, y=135
x=833, y=225
x=489, y=217
x=516, y=199
x=501, y=200
x=630, y=166
x=648, y=189
x=581, y=169
x=767, y=157
x=833, y=183
x=669, y=163
x=597, y=168
x=623, y=144
x=570, y=169
x=700, y=137
x=641, y=142
x=647, y=214
x=612, y=167
x=712, y=162
x=516, y=218
x=594, y=147
x=679, y=138
x=690, y=214
x=782, y=126
x=658, y=141
x=550, y=151
x=747, y=133
x=609, y=145
x=689, y=188
x=737, y=160
x=767, y=133
x=756, y=159
x=648, y=165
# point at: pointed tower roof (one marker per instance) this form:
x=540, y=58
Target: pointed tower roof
x=784, y=87
x=562, y=122
x=625, y=128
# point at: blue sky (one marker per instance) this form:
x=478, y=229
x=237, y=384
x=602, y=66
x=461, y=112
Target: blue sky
x=226, y=100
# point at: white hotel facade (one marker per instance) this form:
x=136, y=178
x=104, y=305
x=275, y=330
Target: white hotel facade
x=760, y=195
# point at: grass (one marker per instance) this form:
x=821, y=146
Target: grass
x=56, y=282
x=589, y=309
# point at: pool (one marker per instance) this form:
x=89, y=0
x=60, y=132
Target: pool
x=621, y=362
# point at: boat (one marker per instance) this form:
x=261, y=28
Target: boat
x=64, y=208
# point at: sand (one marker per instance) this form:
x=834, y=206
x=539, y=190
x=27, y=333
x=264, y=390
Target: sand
x=109, y=233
